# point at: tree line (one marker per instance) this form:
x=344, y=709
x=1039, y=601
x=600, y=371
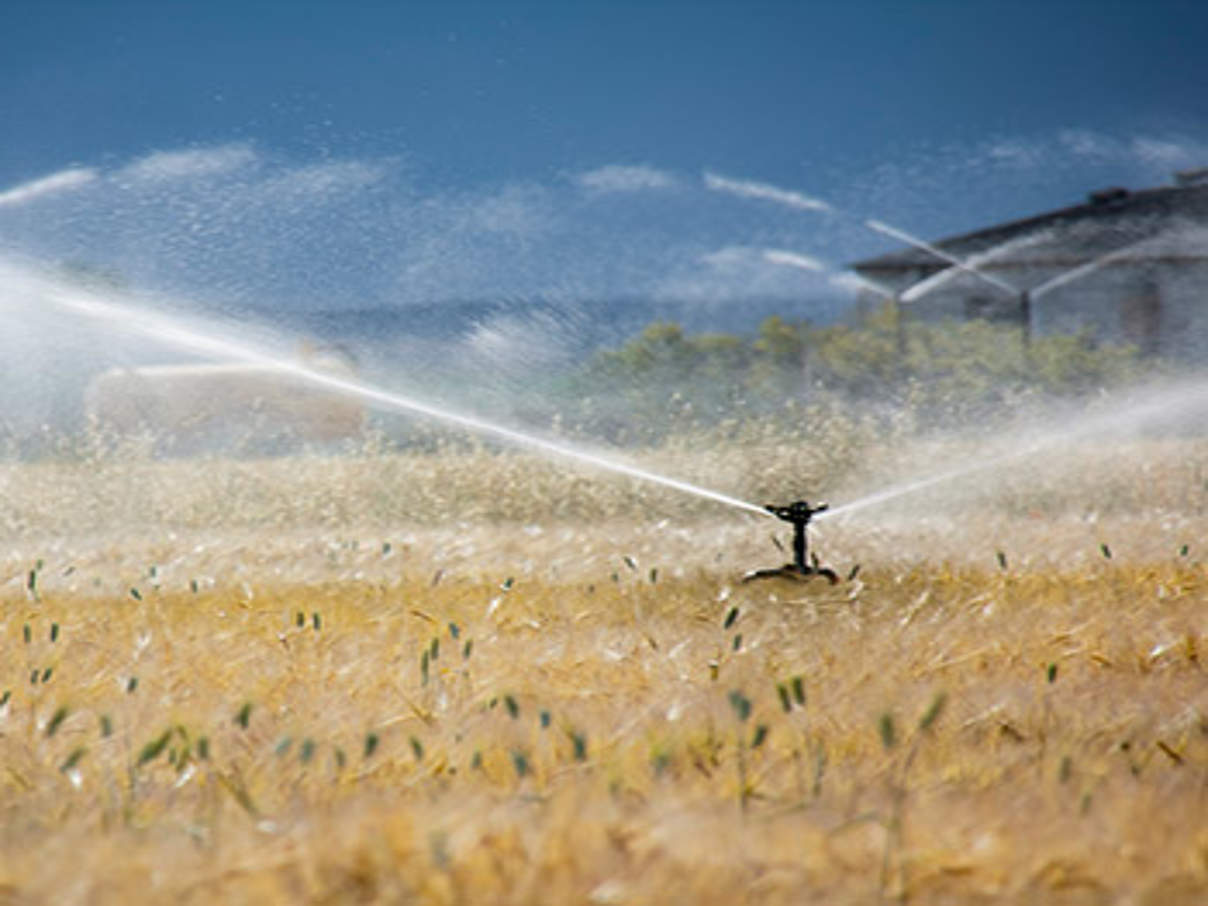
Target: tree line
x=937, y=373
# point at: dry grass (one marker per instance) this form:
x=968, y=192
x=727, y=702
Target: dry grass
x=496, y=706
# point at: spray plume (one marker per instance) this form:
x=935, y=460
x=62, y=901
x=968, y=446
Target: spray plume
x=170, y=331
x=975, y=262
x=749, y=189
x=1146, y=407
x=794, y=259
x=801, y=201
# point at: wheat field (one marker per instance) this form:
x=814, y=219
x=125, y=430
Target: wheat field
x=476, y=676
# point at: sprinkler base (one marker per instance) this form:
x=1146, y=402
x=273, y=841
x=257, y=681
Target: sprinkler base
x=791, y=572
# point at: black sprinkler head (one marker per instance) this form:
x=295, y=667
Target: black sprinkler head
x=798, y=513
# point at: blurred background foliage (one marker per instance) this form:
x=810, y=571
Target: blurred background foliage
x=911, y=374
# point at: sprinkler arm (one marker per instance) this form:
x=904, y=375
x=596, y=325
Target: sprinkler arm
x=798, y=511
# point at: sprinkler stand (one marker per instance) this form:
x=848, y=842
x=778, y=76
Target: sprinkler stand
x=804, y=566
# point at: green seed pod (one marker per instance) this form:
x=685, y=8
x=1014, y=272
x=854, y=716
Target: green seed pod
x=56, y=720
x=931, y=715
x=786, y=704
x=244, y=715
x=520, y=763
x=741, y=704
x=799, y=690
x=761, y=734
x=73, y=759
x=154, y=749
x=886, y=727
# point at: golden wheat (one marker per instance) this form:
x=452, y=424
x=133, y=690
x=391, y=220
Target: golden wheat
x=477, y=678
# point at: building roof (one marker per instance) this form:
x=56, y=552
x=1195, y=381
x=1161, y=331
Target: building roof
x=1162, y=222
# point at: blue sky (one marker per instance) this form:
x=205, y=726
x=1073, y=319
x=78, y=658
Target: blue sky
x=328, y=154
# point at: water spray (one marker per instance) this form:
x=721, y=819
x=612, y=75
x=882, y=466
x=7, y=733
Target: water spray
x=972, y=265
x=799, y=514
x=973, y=262
x=1090, y=267
x=893, y=232
x=168, y=330
x=803, y=202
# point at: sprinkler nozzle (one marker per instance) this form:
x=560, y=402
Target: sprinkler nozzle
x=797, y=512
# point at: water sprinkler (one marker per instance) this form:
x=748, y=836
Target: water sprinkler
x=804, y=565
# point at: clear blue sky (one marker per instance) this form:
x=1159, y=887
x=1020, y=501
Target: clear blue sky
x=564, y=122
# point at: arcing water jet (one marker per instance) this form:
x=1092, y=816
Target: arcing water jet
x=168, y=330
x=935, y=281
x=803, y=202
x=1155, y=406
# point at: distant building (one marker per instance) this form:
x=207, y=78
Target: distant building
x=1127, y=266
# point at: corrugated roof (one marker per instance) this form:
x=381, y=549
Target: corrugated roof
x=1161, y=222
